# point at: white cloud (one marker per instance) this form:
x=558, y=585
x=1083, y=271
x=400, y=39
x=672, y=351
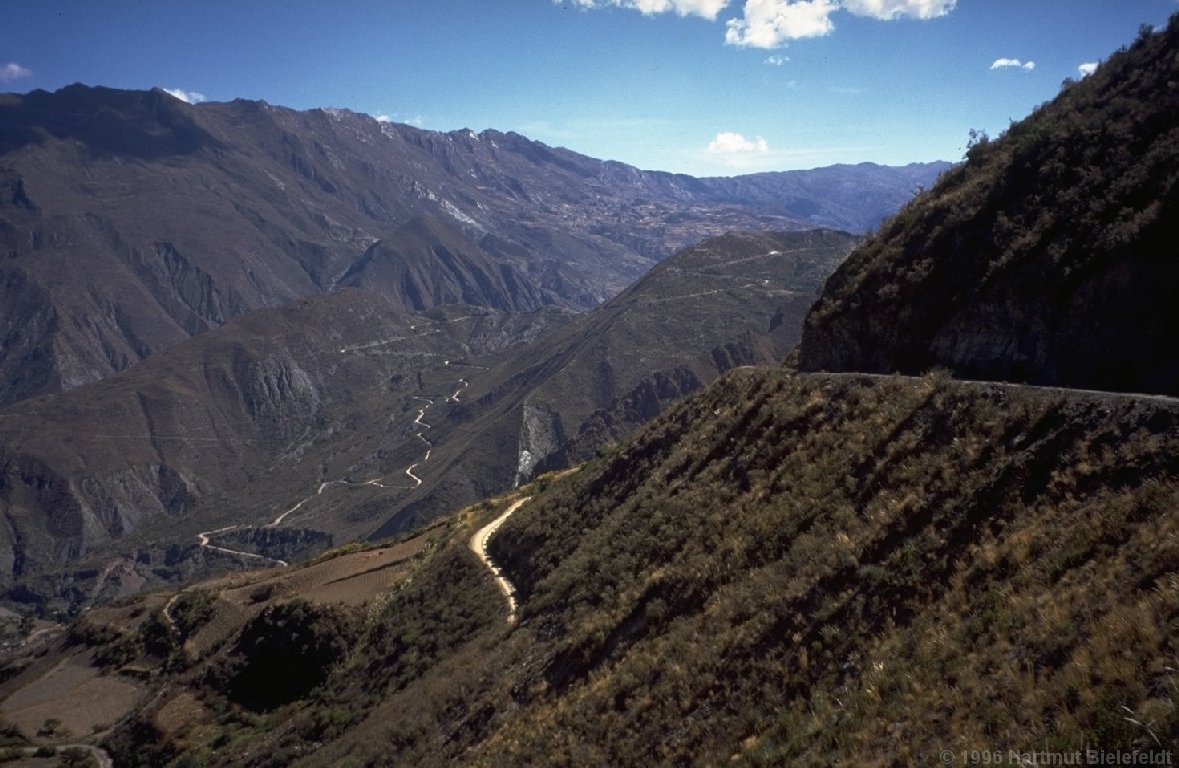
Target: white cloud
x=728, y=143
x=770, y=23
x=1013, y=64
x=13, y=71
x=1088, y=68
x=705, y=8
x=887, y=10
x=192, y=97
x=777, y=61
x=399, y=117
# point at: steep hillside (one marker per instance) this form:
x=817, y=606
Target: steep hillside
x=426, y=263
x=130, y=221
x=782, y=569
x=1047, y=257
x=730, y=301
x=343, y=415
x=234, y=426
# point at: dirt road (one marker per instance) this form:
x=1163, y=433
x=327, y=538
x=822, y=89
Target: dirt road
x=479, y=547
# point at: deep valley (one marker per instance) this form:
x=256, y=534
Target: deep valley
x=373, y=445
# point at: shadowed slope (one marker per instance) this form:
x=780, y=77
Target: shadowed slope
x=1047, y=257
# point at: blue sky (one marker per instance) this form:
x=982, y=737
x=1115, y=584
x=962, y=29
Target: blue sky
x=705, y=87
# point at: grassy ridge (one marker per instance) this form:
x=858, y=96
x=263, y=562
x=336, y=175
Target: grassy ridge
x=781, y=569
x=795, y=568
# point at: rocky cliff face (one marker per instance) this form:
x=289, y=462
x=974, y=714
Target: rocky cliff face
x=1047, y=257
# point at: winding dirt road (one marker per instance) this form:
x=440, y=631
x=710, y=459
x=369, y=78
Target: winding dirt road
x=203, y=538
x=455, y=397
x=429, y=446
x=479, y=547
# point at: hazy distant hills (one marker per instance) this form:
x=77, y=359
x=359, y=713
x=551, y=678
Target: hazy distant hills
x=130, y=220
x=852, y=198
x=1048, y=257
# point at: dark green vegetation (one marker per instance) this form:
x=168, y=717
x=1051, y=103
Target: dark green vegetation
x=781, y=569
x=286, y=652
x=1048, y=257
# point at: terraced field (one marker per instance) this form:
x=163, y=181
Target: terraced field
x=73, y=693
x=177, y=712
x=128, y=614
x=227, y=618
x=71, y=685
x=350, y=579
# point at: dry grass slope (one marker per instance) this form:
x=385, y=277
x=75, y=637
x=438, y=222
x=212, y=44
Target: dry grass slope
x=783, y=569
x=791, y=569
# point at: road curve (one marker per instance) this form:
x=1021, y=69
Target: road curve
x=479, y=547
x=203, y=538
x=203, y=541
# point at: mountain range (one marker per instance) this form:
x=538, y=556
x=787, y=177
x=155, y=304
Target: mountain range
x=243, y=422
x=788, y=566
x=216, y=313
x=131, y=220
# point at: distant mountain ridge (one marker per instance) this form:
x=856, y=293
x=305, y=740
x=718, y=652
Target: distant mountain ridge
x=427, y=262
x=131, y=220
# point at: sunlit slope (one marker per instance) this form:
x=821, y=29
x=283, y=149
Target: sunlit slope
x=780, y=569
